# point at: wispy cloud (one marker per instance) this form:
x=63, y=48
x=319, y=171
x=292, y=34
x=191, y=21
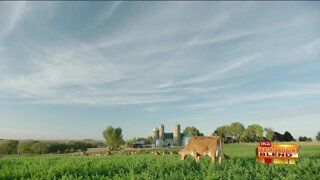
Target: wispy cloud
x=106, y=100
x=215, y=73
x=204, y=90
x=107, y=13
x=58, y=71
x=241, y=99
x=306, y=50
x=12, y=13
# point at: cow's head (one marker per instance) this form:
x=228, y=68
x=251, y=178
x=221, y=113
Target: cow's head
x=182, y=154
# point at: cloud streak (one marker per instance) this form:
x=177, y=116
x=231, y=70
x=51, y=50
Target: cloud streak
x=12, y=13
x=108, y=12
x=242, y=99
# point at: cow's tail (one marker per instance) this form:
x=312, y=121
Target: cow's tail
x=225, y=156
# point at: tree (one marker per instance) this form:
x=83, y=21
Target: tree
x=304, y=138
x=253, y=133
x=130, y=142
x=222, y=131
x=113, y=137
x=269, y=133
x=25, y=146
x=193, y=131
x=40, y=148
x=318, y=136
x=58, y=147
x=232, y=131
x=9, y=147
x=236, y=129
x=287, y=136
x=149, y=140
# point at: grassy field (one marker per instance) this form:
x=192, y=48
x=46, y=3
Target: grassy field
x=241, y=165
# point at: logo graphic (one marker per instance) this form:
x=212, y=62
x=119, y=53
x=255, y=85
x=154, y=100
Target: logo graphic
x=268, y=153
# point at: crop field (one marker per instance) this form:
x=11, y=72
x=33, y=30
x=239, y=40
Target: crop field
x=241, y=165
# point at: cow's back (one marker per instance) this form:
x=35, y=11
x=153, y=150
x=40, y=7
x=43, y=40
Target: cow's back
x=203, y=144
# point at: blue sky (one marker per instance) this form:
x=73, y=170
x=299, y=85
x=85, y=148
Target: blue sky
x=70, y=69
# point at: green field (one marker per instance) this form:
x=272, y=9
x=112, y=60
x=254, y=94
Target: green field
x=241, y=165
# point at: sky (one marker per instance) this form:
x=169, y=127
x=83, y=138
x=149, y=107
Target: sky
x=70, y=69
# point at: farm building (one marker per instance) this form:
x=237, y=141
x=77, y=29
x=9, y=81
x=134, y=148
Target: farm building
x=176, y=138
x=138, y=144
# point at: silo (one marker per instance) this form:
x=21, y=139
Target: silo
x=161, y=132
x=155, y=135
x=176, y=134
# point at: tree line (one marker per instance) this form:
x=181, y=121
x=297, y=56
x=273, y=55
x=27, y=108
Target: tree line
x=235, y=132
x=42, y=147
x=255, y=133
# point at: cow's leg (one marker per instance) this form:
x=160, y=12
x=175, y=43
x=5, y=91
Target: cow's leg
x=219, y=150
x=218, y=154
x=212, y=154
x=198, y=157
x=195, y=155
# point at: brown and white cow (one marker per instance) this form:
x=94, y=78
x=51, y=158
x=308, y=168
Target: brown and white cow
x=204, y=145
